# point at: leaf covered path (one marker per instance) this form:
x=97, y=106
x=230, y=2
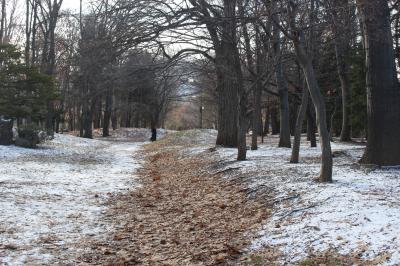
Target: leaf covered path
x=182, y=215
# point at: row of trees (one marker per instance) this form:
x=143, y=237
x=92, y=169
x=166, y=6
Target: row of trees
x=89, y=73
x=329, y=63
x=25, y=90
x=278, y=48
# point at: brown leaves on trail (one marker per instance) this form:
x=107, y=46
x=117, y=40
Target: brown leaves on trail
x=181, y=216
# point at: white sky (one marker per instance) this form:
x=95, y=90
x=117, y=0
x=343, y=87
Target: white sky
x=72, y=4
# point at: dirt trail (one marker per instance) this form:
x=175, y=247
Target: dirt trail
x=184, y=214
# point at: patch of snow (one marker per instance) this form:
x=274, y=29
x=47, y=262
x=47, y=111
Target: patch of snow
x=360, y=211
x=53, y=196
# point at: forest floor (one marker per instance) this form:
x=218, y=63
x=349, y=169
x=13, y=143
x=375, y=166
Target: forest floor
x=183, y=201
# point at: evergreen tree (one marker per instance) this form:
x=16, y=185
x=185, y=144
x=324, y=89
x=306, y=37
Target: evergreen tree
x=23, y=90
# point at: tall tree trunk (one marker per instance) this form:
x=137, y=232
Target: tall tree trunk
x=107, y=113
x=257, y=127
x=27, y=33
x=320, y=109
x=299, y=126
x=311, y=126
x=3, y=21
x=341, y=23
x=383, y=91
x=81, y=120
x=267, y=121
x=34, y=30
x=228, y=68
x=49, y=58
x=305, y=61
x=294, y=110
x=242, y=123
x=284, y=140
x=255, y=71
x=343, y=70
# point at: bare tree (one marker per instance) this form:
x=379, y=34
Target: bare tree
x=296, y=35
x=340, y=18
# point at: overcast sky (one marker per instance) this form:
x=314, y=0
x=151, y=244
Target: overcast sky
x=72, y=4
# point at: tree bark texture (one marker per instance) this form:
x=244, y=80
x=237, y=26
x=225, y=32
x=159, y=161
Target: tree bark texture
x=299, y=127
x=383, y=91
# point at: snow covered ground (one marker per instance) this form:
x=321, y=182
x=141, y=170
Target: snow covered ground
x=359, y=214
x=52, y=198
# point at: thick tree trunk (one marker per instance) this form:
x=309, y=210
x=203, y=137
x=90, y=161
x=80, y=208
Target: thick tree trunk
x=227, y=64
x=299, y=127
x=227, y=110
x=383, y=91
